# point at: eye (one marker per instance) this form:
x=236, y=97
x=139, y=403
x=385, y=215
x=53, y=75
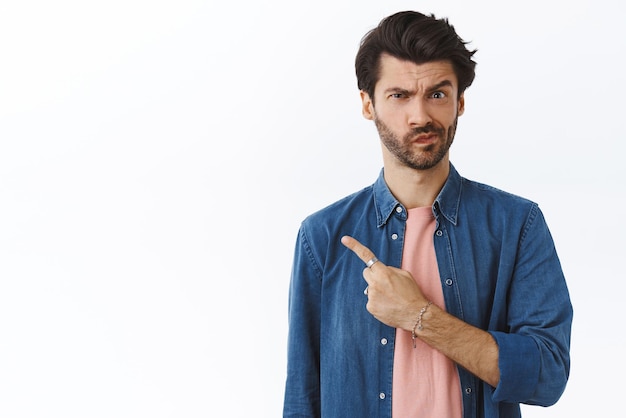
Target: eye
x=438, y=95
x=397, y=95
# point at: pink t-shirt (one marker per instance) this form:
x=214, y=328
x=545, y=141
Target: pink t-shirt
x=425, y=382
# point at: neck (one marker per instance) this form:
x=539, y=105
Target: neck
x=416, y=188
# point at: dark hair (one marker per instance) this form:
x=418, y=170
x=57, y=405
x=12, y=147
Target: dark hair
x=414, y=37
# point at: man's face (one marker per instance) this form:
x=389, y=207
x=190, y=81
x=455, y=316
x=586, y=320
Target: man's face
x=416, y=108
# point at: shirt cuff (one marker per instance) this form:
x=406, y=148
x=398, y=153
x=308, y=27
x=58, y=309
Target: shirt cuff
x=519, y=363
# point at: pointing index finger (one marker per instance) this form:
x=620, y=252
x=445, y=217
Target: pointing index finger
x=361, y=251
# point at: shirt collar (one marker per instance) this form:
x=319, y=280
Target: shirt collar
x=446, y=203
x=384, y=201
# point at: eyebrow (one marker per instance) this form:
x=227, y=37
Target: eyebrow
x=444, y=83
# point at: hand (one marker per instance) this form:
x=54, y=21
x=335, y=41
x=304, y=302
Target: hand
x=394, y=297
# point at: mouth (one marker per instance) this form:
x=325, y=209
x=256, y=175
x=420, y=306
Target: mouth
x=425, y=139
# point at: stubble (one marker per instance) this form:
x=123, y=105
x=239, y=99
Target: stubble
x=403, y=149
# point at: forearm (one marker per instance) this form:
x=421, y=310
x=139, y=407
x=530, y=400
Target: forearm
x=472, y=348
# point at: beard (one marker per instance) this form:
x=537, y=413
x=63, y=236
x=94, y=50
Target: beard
x=429, y=156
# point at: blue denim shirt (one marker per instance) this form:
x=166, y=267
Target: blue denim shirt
x=499, y=271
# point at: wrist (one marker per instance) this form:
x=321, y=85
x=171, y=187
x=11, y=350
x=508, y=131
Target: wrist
x=419, y=321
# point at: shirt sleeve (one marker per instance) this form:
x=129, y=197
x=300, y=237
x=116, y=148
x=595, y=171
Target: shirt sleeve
x=534, y=354
x=302, y=390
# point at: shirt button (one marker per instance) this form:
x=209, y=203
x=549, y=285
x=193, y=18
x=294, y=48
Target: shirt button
x=449, y=282
x=399, y=209
x=383, y=341
x=381, y=395
x=394, y=236
x=468, y=390
x=439, y=233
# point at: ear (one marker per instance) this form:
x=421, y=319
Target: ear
x=461, y=105
x=368, y=106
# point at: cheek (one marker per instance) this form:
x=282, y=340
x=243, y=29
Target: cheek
x=392, y=117
x=446, y=117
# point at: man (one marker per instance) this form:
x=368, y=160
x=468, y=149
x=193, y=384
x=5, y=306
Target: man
x=464, y=311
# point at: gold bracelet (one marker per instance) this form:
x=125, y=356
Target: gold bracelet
x=418, y=323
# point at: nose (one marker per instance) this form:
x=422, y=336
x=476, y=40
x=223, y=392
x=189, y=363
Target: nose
x=418, y=113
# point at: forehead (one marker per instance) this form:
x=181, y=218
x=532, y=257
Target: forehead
x=399, y=73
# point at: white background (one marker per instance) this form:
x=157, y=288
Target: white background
x=157, y=157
